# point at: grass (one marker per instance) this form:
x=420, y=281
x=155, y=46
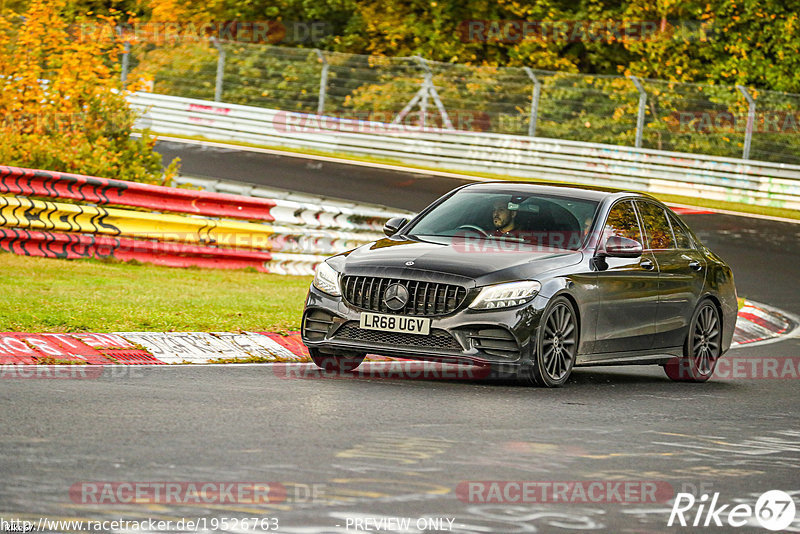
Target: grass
x=676, y=199
x=51, y=295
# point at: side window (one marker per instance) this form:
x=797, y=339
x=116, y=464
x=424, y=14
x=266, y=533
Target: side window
x=656, y=226
x=682, y=239
x=622, y=222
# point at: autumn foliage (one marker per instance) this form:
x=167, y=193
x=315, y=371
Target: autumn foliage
x=61, y=101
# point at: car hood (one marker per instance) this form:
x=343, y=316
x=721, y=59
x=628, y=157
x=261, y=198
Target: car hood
x=482, y=261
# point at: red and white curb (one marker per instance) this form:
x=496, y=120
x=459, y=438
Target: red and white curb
x=756, y=324
x=138, y=348
x=759, y=323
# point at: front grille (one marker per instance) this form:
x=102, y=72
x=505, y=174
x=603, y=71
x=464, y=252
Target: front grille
x=425, y=298
x=437, y=339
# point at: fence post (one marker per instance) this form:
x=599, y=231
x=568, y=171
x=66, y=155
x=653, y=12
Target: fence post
x=751, y=118
x=323, y=82
x=642, y=104
x=220, y=69
x=537, y=92
x=125, y=58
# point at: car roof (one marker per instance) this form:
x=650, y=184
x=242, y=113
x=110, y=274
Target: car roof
x=585, y=192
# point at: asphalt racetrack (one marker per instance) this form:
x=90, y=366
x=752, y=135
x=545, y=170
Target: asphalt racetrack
x=386, y=449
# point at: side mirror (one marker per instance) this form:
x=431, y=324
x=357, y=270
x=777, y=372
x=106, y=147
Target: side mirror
x=621, y=247
x=393, y=225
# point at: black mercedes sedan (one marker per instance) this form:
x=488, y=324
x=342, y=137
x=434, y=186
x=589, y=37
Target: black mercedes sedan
x=528, y=279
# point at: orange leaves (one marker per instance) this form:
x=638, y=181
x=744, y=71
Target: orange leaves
x=61, y=102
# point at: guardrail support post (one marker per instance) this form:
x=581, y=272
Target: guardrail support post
x=220, y=69
x=642, y=104
x=537, y=92
x=323, y=82
x=751, y=118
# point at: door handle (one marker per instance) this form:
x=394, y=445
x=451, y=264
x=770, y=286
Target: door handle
x=647, y=265
x=695, y=265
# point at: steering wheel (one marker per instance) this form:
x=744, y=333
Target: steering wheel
x=473, y=227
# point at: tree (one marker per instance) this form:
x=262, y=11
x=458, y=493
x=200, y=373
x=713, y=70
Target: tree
x=61, y=100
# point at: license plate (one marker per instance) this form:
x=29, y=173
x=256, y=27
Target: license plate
x=396, y=323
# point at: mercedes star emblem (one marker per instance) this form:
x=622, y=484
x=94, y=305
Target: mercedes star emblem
x=395, y=297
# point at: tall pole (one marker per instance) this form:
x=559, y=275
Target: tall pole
x=220, y=69
x=126, y=56
x=323, y=82
x=537, y=92
x=751, y=118
x=642, y=104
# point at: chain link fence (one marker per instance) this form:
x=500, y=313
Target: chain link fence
x=704, y=119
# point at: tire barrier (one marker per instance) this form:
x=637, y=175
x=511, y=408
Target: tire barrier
x=308, y=232
x=80, y=246
x=39, y=183
x=29, y=214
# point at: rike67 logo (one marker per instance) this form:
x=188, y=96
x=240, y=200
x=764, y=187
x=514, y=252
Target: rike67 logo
x=774, y=510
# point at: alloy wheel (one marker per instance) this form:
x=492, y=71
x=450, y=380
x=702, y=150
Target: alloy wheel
x=558, y=345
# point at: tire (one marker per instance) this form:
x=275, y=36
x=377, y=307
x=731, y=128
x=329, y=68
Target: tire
x=702, y=347
x=336, y=364
x=556, y=345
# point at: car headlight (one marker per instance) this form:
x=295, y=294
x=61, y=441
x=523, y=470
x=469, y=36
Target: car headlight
x=326, y=279
x=506, y=295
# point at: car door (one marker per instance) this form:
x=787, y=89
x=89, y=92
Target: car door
x=627, y=290
x=681, y=273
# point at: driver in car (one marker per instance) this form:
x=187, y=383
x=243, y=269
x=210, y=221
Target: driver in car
x=504, y=218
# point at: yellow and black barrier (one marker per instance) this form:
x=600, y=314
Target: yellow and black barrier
x=29, y=214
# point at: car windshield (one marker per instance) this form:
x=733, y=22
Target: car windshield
x=549, y=221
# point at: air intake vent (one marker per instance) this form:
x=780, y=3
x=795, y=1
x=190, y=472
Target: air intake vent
x=424, y=298
x=495, y=341
x=316, y=324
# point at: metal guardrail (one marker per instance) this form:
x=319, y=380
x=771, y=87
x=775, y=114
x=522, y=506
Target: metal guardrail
x=715, y=119
x=710, y=177
x=206, y=229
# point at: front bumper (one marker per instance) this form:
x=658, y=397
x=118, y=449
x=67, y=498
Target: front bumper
x=496, y=338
